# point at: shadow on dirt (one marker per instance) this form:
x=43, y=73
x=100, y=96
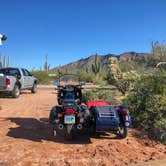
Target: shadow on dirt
x=40, y=130
x=8, y=95
x=5, y=95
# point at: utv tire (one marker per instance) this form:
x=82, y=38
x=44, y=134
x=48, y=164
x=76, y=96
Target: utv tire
x=34, y=88
x=122, y=132
x=16, y=92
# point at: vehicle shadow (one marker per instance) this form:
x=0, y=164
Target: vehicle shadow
x=39, y=130
x=105, y=135
x=6, y=95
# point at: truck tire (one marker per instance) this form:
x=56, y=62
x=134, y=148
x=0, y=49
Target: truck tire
x=34, y=88
x=16, y=92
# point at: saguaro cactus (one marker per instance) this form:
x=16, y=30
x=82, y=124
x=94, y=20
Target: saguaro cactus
x=8, y=62
x=0, y=61
x=47, y=66
x=96, y=65
x=4, y=61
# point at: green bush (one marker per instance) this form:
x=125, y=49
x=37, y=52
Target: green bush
x=43, y=77
x=89, y=95
x=147, y=103
x=99, y=80
x=87, y=77
x=108, y=96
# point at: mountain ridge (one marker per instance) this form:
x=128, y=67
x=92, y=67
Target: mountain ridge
x=85, y=64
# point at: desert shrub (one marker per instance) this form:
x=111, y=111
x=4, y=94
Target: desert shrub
x=89, y=95
x=87, y=77
x=124, y=66
x=43, y=77
x=99, y=80
x=147, y=103
x=105, y=95
x=123, y=85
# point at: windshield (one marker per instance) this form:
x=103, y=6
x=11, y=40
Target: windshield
x=69, y=80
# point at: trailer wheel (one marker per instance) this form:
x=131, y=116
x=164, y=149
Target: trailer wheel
x=16, y=91
x=52, y=115
x=122, y=131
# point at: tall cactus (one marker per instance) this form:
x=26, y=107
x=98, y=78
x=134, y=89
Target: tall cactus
x=4, y=61
x=87, y=70
x=47, y=66
x=8, y=62
x=0, y=61
x=96, y=65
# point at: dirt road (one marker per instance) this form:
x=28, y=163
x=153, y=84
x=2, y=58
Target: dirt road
x=26, y=139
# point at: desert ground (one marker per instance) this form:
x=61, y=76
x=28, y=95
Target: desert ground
x=26, y=139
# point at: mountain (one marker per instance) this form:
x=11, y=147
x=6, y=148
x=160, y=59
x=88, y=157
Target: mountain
x=85, y=64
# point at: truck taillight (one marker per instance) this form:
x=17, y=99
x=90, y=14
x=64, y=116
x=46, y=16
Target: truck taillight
x=7, y=81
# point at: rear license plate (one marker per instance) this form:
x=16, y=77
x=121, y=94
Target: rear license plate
x=69, y=119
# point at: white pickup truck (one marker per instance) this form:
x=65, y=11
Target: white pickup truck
x=12, y=80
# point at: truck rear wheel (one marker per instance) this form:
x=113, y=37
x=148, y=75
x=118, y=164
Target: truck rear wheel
x=34, y=88
x=16, y=92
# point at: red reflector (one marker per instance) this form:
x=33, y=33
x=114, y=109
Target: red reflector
x=7, y=81
x=69, y=111
x=124, y=112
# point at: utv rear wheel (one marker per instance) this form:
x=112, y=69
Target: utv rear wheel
x=122, y=132
x=34, y=88
x=16, y=92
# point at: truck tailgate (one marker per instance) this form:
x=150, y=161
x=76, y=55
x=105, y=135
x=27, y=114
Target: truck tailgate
x=2, y=82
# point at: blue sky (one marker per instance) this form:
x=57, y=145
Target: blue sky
x=68, y=30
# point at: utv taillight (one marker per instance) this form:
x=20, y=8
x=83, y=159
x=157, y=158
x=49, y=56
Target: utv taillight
x=7, y=81
x=125, y=112
x=69, y=111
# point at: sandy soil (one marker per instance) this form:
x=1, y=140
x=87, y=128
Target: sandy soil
x=26, y=139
